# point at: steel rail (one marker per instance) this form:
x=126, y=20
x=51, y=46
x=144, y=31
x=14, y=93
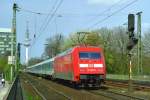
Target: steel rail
x=115, y=95
x=38, y=92
x=51, y=88
x=137, y=86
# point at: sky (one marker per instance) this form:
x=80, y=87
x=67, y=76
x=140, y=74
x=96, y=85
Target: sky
x=71, y=16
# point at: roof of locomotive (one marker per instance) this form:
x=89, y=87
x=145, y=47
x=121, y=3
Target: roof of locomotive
x=70, y=49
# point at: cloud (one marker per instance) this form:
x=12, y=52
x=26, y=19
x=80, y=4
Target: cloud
x=102, y=2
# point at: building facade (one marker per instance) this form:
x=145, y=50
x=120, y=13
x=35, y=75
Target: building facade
x=5, y=40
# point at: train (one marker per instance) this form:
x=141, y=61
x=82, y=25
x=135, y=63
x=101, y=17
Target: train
x=81, y=66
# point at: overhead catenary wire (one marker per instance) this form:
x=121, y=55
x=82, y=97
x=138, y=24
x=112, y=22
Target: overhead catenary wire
x=42, y=29
x=39, y=13
x=115, y=12
x=64, y=14
x=30, y=11
x=44, y=26
x=48, y=15
x=108, y=9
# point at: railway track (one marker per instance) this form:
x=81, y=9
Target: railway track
x=54, y=90
x=38, y=92
x=115, y=96
x=28, y=87
x=47, y=89
x=65, y=92
x=43, y=91
x=124, y=84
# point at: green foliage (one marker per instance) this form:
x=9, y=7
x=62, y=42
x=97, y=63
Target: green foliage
x=109, y=62
x=77, y=38
x=114, y=44
x=83, y=38
x=93, y=39
x=67, y=44
x=3, y=63
x=54, y=46
x=146, y=65
x=4, y=67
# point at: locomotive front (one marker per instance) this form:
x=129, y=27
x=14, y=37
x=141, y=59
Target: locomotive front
x=91, y=66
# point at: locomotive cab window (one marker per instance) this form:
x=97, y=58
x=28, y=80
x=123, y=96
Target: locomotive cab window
x=89, y=55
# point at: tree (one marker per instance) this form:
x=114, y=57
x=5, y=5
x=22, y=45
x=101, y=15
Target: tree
x=93, y=39
x=77, y=38
x=3, y=63
x=146, y=43
x=146, y=52
x=114, y=43
x=106, y=39
x=83, y=38
x=120, y=40
x=54, y=45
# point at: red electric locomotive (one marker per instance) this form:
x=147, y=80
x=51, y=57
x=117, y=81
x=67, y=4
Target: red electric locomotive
x=81, y=65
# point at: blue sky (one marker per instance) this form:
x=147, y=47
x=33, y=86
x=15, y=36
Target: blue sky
x=76, y=15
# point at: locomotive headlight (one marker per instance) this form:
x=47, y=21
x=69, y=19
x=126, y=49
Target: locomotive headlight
x=98, y=65
x=83, y=65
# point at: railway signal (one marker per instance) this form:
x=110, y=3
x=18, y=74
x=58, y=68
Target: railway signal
x=132, y=40
x=131, y=23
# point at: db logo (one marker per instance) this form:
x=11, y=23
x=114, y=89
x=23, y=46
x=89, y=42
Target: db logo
x=90, y=65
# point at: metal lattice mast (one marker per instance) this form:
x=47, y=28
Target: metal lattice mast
x=140, y=69
x=13, y=42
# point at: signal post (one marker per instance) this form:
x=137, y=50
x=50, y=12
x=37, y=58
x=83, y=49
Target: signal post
x=132, y=42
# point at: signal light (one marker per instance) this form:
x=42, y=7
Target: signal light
x=131, y=23
x=132, y=40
